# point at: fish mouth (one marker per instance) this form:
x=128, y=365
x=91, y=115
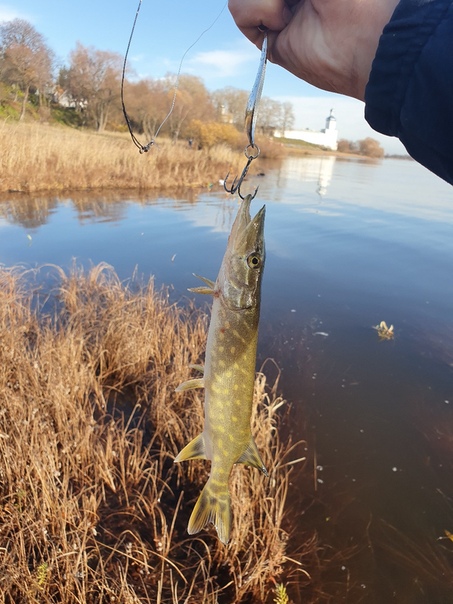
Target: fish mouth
x=248, y=232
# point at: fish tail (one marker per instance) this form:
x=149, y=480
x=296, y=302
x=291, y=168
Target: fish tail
x=213, y=505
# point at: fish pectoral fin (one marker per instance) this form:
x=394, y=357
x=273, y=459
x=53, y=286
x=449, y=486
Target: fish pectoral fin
x=190, y=385
x=212, y=506
x=251, y=457
x=208, y=282
x=203, y=290
x=196, y=449
x=199, y=368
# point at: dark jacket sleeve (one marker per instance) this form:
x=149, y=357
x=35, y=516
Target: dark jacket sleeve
x=410, y=91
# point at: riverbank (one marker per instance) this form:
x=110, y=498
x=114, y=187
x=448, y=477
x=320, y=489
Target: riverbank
x=37, y=157
x=93, y=507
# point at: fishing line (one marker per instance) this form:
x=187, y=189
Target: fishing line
x=137, y=143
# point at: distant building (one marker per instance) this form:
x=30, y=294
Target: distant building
x=328, y=137
x=64, y=99
x=225, y=116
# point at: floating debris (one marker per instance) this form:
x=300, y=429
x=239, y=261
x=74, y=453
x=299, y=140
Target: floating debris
x=448, y=536
x=384, y=332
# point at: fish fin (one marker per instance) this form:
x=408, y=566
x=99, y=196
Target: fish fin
x=203, y=290
x=208, y=282
x=251, y=457
x=212, y=506
x=199, y=368
x=196, y=449
x=190, y=385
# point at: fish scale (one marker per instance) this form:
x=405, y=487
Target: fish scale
x=229, y=372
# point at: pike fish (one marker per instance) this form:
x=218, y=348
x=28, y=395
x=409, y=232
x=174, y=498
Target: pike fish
x=229, y=371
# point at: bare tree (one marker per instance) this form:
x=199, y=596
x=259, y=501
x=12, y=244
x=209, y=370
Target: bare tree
x=147, y=104
x=269, y=115
x=346, y=146
x=230, y=104
x=93, y=82
x=192, y=102
x=287, y=118
x=167, y=105
x=26, y=62
x=371, y=148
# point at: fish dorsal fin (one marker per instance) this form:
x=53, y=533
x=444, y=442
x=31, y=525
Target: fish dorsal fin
x=203, y=290
x=190, y=385
x=196, y=449
x=251, y=457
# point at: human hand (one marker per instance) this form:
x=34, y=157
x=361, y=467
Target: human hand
x=328, y=43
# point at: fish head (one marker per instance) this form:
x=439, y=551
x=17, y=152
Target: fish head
x=239, y=280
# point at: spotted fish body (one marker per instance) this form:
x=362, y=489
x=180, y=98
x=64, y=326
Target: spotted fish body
x=229, y=372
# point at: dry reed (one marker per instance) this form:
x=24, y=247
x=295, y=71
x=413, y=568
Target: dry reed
x=93, y=510
x=38, y=157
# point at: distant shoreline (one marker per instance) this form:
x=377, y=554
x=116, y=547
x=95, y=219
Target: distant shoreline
x=308, y=149
x=40, y=157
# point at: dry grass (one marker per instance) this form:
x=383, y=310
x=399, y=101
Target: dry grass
x=92, y=508
x=37, y=157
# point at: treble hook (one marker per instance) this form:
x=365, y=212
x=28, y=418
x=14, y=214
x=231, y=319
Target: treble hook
x=251, y=113
x=237, y=182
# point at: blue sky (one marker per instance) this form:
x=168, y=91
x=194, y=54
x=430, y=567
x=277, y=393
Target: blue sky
x=165, y=30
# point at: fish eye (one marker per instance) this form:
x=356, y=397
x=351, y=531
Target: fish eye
x=254, y=260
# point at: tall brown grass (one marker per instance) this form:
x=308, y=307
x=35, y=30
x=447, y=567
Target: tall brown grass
x=93, y=510
x=37, y=157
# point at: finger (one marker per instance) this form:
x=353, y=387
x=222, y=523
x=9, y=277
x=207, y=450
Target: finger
x=251, y=14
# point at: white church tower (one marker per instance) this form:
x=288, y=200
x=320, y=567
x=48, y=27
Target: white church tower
x=331, y=121
x=331, y=132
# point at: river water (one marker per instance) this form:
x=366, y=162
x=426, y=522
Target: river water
x=349, y=244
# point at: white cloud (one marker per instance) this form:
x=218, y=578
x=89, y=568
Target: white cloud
x=234, y=65
x=7, y=13
x=221, y=63
x=311, y=112
x=137, y=58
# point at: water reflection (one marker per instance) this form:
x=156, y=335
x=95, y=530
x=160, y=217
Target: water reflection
x=349, y=244
x=33, y=211
x=314, y=169
x=29, y=212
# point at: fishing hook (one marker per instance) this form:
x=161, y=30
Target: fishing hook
x=251, y=112
x=251, y=152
